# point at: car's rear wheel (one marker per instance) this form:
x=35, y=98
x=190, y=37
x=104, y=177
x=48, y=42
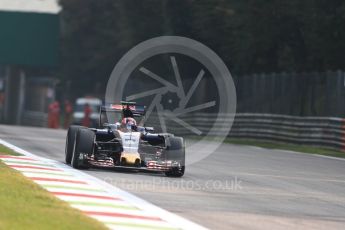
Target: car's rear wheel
x=70, y=138
x=83, y=146
x=175, y=152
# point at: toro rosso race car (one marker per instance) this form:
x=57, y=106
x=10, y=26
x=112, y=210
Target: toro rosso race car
x=124, y=143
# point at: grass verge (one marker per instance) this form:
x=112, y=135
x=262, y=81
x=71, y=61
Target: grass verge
x=6, y=151
x=25, y=205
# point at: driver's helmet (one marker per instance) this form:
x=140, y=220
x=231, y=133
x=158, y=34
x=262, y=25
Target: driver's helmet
x=128, y=122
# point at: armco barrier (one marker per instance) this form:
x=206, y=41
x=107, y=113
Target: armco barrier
x=33, y=118
x=317, y=131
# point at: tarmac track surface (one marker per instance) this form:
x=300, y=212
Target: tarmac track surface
x=237, y=187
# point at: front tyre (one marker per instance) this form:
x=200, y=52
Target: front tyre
x=83, y=146
x=175, y=152
x=70, y=138
x=176, y=172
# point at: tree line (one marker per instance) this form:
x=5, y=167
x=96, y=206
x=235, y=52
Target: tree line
x=251, y=36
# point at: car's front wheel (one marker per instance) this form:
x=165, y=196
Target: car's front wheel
x=70, y=138
x=83, y=146
x=175, y=152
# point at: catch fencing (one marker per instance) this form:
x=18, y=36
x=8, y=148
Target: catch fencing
x=296, y=94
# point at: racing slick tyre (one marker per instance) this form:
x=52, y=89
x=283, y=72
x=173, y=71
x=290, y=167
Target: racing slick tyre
x=176, y=152
x=71, y=133
x=83, y=145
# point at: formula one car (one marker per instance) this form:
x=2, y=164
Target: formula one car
x=125, y=143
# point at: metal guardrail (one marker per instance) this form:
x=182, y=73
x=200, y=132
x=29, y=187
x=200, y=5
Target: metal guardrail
x=33, y=118
x=317, y=131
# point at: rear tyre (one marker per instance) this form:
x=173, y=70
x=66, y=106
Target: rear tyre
x=70, y=138
x=83, y=146
x=176, y=152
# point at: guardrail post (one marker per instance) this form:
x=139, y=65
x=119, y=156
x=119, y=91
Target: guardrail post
x=343, y=135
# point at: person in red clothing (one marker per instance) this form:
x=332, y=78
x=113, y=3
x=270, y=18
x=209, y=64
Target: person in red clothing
x=87, y=112
x=68, y=114
x=54, y=115
x=50, y=115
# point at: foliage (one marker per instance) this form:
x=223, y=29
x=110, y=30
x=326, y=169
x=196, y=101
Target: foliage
x=251, y=36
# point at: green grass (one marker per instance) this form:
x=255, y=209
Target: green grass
x=285, y=146
x=25, y=205
x=7, y=151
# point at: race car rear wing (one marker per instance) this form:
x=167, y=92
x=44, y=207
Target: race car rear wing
x=137, y=110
